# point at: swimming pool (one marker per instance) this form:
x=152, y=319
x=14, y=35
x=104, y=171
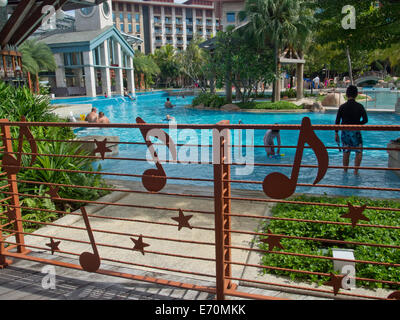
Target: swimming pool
x=382, y=98
x=150, y=108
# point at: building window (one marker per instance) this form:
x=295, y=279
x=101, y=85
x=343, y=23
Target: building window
x=120, y=6
x=136, y=8
x=137, y=17
x=128, y=7
x=230, y=17
x=121, y=16
x=129, y=17
x=113, y=6
x=139, y=48
x=137, y=28
x=121, y=27
x=130, y=27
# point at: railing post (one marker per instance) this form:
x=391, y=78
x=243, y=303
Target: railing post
x=13, y=189
x=222, y=189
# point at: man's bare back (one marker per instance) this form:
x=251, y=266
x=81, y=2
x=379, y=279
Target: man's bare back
x=92, y=116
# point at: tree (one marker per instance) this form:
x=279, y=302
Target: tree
x=239, y=59
x=193, y=63
x=279, y=23
x=36, y=57
x=145, y=64
x=377, y=26
x=166, y=59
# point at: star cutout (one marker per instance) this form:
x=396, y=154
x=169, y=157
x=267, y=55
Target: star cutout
x=11, y=214
x=355, y=214
x=53, y=245
x=273, y=241
x=335, y=282
x=139, y=244
x=183, y=220
x=53, y=192
x=101, y=148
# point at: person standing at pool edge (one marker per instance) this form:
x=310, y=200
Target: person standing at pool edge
x=350, y=113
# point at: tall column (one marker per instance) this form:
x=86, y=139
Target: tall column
x=184, y=34
x=300, y=83
x=173, y=27
x=130, y=76
x=119, y=83
x=204, y=25
x=151, y=23
x=214, y=24
x=90, y=80
x=60, y=71
x=105, y=70
x=163, y=34
x=194, y=17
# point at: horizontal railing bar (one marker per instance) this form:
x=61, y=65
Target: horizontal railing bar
x=6, y=199
x=107, y=203
x=304, y=288
x=99, y=230
x=5, y=186
x=116, y=274
x=310, y=221
x=114, y=218
x=310, y=203
x=240, y=294
x=105, y=189
x=97, y=243
x=203, y=145
x=320, y=185
x=388, y=264
x=329, y=127
x=309, y=272
x=316, y=239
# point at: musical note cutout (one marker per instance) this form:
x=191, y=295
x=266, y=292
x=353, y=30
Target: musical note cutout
x=394, y=296
x=155, y=179
x=11, y=164
x=89, y=261
x=276, y=185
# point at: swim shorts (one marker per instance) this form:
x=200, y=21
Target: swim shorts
x=351, y=139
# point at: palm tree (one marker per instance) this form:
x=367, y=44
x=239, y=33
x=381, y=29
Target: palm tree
x=280, y=23
x=165, y=57
x=145, y=64
x=36, y=57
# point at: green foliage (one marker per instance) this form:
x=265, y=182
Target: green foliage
x=37, y=57
x=15, y=102
x=166, y=60
x=290, y=93
x=146, y=65
x=335, y=232
x=279, y=105
x=209, y=100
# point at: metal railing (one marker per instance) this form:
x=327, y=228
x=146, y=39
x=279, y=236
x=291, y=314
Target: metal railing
x=215, y=228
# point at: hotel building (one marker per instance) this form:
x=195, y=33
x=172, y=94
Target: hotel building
x=165, y=22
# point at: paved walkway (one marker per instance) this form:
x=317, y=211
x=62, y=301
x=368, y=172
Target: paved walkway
x=22, y=280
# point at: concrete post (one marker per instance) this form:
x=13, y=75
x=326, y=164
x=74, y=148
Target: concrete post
x=119, y=83
x=90, y=80
x=60, y=71
x=300, y=81
x=130, y=76
x=105, y=70
x=397, y=106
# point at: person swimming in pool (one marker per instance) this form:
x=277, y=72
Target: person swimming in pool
x=169, y=118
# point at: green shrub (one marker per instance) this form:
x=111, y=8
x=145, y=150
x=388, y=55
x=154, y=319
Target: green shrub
x=17, y=102
x=209, y=100
x=290, y=93
x=279, y=105
x=336, y=232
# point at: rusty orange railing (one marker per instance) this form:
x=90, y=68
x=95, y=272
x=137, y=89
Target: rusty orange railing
x=227, y=243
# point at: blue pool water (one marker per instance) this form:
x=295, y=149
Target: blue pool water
x=382, y=98
x=150, y=108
